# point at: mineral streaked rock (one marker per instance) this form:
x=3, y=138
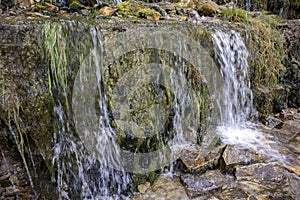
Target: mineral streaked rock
x=264, y=179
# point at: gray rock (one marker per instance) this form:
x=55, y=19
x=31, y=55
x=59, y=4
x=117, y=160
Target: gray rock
x=264, y=181
x=203, y=185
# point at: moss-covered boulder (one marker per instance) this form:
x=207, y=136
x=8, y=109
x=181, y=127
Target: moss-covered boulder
x=147, y=13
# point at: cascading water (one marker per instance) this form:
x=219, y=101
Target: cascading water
x=84, y=159
x=232, y=55
x=79, y=172
x=236, y=101
x=170, y=96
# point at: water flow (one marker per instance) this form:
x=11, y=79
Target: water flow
x=248, y=5
x=79, y=172
x=236, y=102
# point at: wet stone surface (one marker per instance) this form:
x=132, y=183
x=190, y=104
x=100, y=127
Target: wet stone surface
x=241, y=173
x=204, y=185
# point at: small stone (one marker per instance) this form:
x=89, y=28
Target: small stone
x=51, y=7
x=294, y=169
x=85, y=12
x=107, y=11
x=272, y=122
x=203, y=185
x=5, y=176
x=14, y=180
x=35, y=15
x=142, y=188
x=153, y=17
x=149, y=14
x=234, y=193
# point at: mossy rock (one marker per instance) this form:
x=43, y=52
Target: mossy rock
x=208, y=9
x=129, y=8
x=148, y=14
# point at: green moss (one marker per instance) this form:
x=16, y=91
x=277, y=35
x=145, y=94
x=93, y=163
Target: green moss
x=75, y=5
x=236, y=15
x=207, y=10
x=129, y=8
x=265, y=43
x=145, y=12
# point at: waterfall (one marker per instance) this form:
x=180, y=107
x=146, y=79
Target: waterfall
x=79, y=170
x=232, y=54
x=236, y=101
x=248, y=5
x=129, y=107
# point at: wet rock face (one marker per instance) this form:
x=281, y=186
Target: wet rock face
x=24, y=76
x=291, y=30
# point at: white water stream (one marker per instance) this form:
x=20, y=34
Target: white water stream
x=236, y=102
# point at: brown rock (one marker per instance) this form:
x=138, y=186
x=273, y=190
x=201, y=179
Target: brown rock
x=234, y=156
x=264, y=180
x=153, y=17
x=107, y=11
x=210, y=9
x=193, y=161
x=143, y=187
x=203, y=185
x=5, y=176
x=234, y=193
x=163, y=188
x=35, y=15
x=51, y=7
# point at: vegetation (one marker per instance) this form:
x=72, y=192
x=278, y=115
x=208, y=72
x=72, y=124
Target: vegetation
x=265, y=43
x=146, y=13
x=55, y=44
x=136, y=9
